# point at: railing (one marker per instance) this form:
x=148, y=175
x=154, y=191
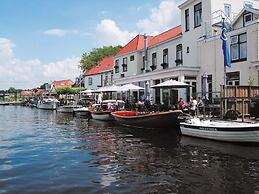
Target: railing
x=218, y=15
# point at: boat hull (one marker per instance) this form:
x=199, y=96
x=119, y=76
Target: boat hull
x=150, y=121
x=102, y=115
x=47, y=106
x=233, y=134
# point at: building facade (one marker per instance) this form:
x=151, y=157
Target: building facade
x=99, y=75
x=188, y=53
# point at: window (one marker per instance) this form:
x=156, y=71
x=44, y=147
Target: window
x=227, y=10
x=187, y=20
x=132, y=58
x=90, y=81
x=154, y=62
x=179, y=56
x=116, y=67
x=233, y=78
x=124, y=65
x=165, y=59
x=106, y=79
x=238, y=48
x=248, y=17
x=197, y=15
x=143, y=63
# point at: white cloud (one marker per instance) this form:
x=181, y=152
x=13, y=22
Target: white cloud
x=67, y=68
x=31, y=73
x=59, y=32
x=108, y=33
x=161, y=18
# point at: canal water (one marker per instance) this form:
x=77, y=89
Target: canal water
x=47, y=152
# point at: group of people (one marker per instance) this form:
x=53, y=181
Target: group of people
x=191, y=106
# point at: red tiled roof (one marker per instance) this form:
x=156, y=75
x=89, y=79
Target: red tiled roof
x=62, y=83
x=105, y=64
x=171, y=33
x=27, y=92
x=137, y=43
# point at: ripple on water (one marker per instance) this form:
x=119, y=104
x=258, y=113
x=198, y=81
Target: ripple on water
x=43, y=151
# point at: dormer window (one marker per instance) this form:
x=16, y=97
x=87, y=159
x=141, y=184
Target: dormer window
x=247, y=18
x=227, y=10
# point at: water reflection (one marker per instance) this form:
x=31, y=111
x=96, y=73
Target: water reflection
x=58, y=153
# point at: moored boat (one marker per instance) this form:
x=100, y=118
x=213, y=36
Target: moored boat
x=228, y=131
x=68, y=108
x=102, y=115
x=48, y=103
x=154, y=120
x=82, y=111
x=103, y=111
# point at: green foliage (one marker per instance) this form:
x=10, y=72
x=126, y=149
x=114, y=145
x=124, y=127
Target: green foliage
x=68, y=90
x=92, y=58
x=12, y=90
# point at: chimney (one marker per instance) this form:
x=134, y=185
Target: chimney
x=145, y=53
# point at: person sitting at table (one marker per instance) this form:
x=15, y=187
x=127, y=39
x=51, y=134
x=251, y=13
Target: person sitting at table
x=181, y=104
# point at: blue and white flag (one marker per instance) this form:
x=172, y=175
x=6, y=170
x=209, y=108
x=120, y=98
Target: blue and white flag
x=225, y=48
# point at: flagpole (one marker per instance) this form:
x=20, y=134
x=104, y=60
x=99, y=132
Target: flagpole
x=225, y=77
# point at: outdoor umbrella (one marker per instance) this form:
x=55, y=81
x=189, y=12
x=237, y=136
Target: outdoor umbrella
x=131, y=87
x=171, y=84
x=112, y=88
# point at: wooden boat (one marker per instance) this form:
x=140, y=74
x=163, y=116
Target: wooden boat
x=221, y=130
x=148, y=120
x=103, y=111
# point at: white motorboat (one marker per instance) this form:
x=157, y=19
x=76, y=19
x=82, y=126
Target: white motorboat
x=221, y=130
x=48, y=103
x=68, y=108
x=102, y=115
x=83, y=111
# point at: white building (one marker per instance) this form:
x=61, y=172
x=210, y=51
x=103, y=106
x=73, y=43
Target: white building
x=189, y=51
x=99, y=75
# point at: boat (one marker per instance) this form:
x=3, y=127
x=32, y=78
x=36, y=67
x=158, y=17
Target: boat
x=152, y=120
x=228, y=131
x=82, y=111
x=103, y=111
x=48, y=103
x=102, y=115
x=68, y=108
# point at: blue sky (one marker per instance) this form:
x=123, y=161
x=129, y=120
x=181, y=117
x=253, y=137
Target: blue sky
x=42, y=40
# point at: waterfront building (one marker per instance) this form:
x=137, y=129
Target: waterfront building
x=62, y=83
x=99, y=75
x=194, y=49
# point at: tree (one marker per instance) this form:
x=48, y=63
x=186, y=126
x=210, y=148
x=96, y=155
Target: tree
x=12, y=90
x=68, y=90
x=97, y=54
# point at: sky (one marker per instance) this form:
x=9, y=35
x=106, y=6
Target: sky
x=43, y=40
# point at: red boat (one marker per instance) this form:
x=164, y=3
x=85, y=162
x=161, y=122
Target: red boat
x=152, y=120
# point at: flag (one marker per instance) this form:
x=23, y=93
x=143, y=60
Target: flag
x=225, y=48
